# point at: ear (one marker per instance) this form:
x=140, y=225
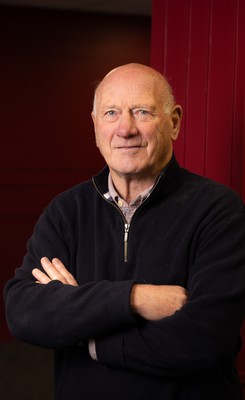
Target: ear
x=94, y=119
x=176, y=117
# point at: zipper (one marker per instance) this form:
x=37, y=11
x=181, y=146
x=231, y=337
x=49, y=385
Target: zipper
x=126, y=225
x=126, y=230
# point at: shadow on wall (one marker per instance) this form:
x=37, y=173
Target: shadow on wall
x=26, y=372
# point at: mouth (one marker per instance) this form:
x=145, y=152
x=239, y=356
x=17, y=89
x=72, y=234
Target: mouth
x=128, y=147
x=128, y=150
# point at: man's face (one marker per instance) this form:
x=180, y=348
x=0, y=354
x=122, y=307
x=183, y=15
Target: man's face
x=133, y=133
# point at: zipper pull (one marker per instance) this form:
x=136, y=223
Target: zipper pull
x=126, y=230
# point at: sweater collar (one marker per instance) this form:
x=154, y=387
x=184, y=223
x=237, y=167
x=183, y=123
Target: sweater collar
x=169, y=178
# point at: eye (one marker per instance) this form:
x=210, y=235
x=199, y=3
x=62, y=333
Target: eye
x=143, y=114
x=110, y=115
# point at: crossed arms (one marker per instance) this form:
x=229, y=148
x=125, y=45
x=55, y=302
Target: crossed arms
x=151, y=302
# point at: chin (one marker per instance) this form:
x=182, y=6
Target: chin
x=125, y=171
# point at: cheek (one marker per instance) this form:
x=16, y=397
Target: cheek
x=102, y=141
x=156, y=141
x=159, y=146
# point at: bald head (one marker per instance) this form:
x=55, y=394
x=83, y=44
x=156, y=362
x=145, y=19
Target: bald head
x=132, y=72
x=135, y=121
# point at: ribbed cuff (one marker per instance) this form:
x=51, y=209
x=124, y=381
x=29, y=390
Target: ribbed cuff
x=110, y=350
x=92, y=349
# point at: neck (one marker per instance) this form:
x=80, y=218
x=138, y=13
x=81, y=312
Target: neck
x=128, y=187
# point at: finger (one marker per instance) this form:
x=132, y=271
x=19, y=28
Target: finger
x=64, y=272
x=51, y=271
x=40, y=276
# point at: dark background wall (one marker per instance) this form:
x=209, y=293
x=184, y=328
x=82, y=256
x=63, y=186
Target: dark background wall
x=49, y=63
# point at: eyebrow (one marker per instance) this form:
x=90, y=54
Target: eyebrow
x=148, y=106
x=134, y=106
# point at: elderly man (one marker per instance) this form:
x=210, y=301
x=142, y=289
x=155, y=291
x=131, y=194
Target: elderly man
x=137, y=277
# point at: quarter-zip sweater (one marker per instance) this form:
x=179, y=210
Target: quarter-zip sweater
x=189, y=232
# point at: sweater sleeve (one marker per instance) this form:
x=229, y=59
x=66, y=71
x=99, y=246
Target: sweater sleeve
x=57, y=315
x=205, y=332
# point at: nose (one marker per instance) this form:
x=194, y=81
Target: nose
x=126, y=125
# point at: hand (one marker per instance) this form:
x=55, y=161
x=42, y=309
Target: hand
x=55, y=270
x=154, y=302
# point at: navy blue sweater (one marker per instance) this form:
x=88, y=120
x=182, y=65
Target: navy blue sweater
x=189, y=232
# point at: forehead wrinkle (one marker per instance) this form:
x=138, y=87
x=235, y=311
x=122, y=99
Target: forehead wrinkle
x=133, y=106
x=127, y=98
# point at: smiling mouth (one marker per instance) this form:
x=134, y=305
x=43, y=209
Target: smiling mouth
x=128, y=147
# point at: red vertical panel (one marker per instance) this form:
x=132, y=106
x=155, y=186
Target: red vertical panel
x=237, y=176
x=196, y=104
x=221, y=91
x=243, y=164
x=238, y=156
x=175, y=60
x=158, y=33
x=171, y=54
x=201, y=49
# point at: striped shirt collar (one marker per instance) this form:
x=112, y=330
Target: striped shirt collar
x=127, y=209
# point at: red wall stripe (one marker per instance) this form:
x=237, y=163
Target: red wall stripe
x=202, y=55
x=199, y=46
